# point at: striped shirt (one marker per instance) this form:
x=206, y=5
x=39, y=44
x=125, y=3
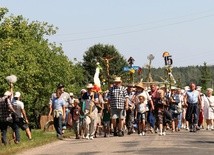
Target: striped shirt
x=117, y=97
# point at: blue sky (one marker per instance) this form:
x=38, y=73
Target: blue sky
x=137, y=28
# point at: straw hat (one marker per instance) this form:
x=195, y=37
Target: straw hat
x=117, y=79
x=209, y=89
x=90, y=85
x=142, y=95
x=140, y=85
x=173, y=88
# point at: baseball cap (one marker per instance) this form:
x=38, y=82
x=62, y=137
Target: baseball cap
x=17, y=94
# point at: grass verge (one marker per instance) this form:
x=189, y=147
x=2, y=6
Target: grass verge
x=39, y=137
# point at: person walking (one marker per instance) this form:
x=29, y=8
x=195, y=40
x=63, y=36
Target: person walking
x=20, y=119
x=75, y=114
x=68, y=104
x=90, y=111
x=118, y=101
x=209, y=109
x=192, y=100
x=6, y=119
x=57, y=106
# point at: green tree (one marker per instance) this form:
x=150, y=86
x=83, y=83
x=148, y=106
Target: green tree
x=38, y=64
x=205, y=77
x=98, y=53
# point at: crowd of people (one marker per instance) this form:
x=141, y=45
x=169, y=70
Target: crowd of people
x=132, y=109
x=119, y=110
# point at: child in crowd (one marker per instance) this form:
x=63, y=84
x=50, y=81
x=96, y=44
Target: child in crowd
x=106, y=120
x=75, y=112
x=141, y=114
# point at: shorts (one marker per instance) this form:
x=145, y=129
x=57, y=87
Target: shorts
x=141, y=116
x=118, y=113
x=22, y=124
x=106, y=123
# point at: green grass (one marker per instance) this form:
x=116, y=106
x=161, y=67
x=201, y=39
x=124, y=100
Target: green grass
x=39, y=137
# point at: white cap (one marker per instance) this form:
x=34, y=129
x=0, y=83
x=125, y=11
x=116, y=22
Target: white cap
x=17, y=94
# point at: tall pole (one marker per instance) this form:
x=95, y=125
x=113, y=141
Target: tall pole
x=150, y=58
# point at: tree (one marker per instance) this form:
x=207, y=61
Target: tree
x=38, y=64
x=205, y=77
x=105, y=55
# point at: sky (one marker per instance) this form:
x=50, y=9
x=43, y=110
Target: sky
x=137, y=28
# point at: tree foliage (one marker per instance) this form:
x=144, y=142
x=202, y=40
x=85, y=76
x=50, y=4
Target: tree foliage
x=98, y=53
x=205, y=76
x=185, y=75
x=38, y=64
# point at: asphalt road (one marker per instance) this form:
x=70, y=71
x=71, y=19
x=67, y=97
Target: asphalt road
x=182, y=143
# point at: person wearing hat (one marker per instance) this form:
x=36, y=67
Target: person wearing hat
x=21, y=119
x=118, y=101
x=209, y=108
x=140, y=90
x=141, y=109
x=6, y=120
x=90, y=111
x=68, y=101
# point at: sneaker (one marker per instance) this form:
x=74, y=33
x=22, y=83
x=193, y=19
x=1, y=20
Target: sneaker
x=164, y=133
x=120, y=134
x=87, y=137
x=160, y=134
x=143, y=133
x=64, y=128
x=152, y=130
x=194, y=129
x=140, y=134
x=60, y=137
x=91, y=138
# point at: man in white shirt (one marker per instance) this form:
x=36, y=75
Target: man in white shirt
x=21, y=119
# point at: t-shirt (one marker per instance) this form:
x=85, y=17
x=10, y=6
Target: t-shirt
x=57, y=103
x=106, y=115
x=75, y=112
x=65, y=96
x=192, y=96
x=142, y=107
x=18, y=106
